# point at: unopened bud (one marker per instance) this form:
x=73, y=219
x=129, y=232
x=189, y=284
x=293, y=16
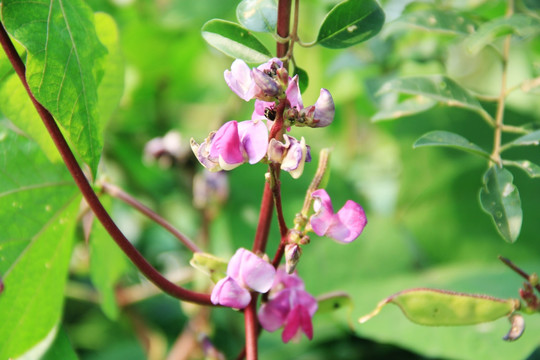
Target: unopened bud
x=292, y=255
x=283, y=77
x=533, y=279
x=266, y=83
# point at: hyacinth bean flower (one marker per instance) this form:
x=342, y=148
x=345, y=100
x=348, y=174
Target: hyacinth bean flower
x=289, y=306
x=257, y=83
x=344, y=226
x=245, y=272
x=233, y=144
x=291, y=155
x=322, y=113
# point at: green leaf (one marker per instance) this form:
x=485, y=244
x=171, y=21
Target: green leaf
x=436, y=87
x=235, y=41
x=107, y=265
x=445, y=22
x=111, y=87
x=63, y=65
x=445, y=138
x=257, y=15
x=532, y=138
x=432, y=307
x=518, y=24
x=61, y=348
x=17, y=107
x=407, y=107
x=38, y=213
x=349, y=23
x=303, y=78
x=500, y=198
x=530, y=168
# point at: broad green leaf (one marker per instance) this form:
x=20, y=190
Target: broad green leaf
x=63, y=66
x=349, y=23
x=532, y=138
x=436, y=87
x=445, y=138
x=257, y=15
x=445, y=22
x=530, y=168
x=518, y=24
x=17, y=107
x=234, y=41
x=107, y=265
x=38, y=213
x=61, y=348
x=407, y=107
x=303, y=78
x=447, y=308
x=500, y=198
x=111, y=87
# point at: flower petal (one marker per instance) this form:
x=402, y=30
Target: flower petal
x=292, y=324
x=226, y=144
x=323, y=217
x=272, y=314
x=228, y=292
x=293, y=93
x=254, y=139
x=324, y=109
x=240, y=80
x=348, y=223
x=256, y=273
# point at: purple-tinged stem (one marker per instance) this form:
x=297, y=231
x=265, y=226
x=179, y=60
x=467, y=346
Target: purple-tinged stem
x=90, y=196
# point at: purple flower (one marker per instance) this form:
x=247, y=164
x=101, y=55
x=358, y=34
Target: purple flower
x=290, y=307
x=291, y=155
x=260, y=83
x=320, y=114
x=240, y=80
x=246, y=271
x=344, y=226
x=233, y=144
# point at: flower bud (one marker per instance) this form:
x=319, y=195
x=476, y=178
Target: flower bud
x=267, y=84
x=292, y=255
x=291, y=155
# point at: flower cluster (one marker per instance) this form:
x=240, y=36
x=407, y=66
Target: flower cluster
x=236, y=142
x=289, y=305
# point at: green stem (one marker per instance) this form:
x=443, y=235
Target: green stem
x=499, y=116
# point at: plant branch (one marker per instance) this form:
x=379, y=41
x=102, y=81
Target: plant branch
x=499, y=116
x=252, y=325
x=518, y=270
x=90, y=196
x=120, y=194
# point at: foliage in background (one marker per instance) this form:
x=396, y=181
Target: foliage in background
x=426, y=228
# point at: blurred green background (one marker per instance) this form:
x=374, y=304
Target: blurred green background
x=425, y=225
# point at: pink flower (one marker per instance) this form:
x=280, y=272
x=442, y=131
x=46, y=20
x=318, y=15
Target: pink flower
x=290, y=307
x=246, y=271
x=260, y=83
x=233, y=144
x=344, y=226
x=291, y=155
x=240, y=80
x=322, y=113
